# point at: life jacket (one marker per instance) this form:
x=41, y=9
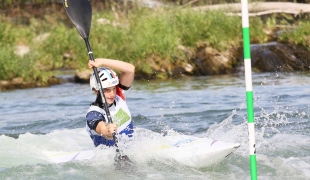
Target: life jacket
x=120, y=115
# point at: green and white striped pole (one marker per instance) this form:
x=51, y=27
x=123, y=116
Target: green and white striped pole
x=248, y=85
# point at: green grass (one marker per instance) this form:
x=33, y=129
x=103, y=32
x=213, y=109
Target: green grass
x=300, y=35
x=134, y=38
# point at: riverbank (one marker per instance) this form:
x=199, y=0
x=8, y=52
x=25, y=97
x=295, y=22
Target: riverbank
x=162, y=43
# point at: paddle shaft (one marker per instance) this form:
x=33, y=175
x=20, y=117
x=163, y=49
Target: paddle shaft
x=106, y=107
x=80, y=14
x=91, y=56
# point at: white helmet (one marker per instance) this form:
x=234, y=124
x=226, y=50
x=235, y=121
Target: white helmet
x=108, y=78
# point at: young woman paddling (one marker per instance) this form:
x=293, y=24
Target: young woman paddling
x=114, y=87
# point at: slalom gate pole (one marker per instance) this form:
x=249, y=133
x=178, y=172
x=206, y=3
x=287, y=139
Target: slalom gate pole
x=248, y=85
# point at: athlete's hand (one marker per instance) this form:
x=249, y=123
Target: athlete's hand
x=96, y=63
x=112, y=128
x=106, y=130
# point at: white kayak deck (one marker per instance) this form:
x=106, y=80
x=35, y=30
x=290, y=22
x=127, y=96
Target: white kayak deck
x=186, y=150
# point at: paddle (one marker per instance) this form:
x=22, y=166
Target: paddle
x=80, y=13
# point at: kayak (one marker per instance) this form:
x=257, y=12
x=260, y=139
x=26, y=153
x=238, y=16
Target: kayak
x=61, y=157
x=186, y=150
x=198, y=152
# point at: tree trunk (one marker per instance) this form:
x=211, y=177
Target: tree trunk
x=260, y=8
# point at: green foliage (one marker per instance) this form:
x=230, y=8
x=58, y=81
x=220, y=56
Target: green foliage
x=5, y=3
x=140, y=35
x=12, y=65
x=300, y=35
x=271, y=23
x=256, y=31
x=213, y=27
x=61, y=40
x=153, y=33
x=108, y=39
x=9, y=62
x=158, y=33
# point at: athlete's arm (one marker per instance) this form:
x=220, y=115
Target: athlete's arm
x=96, y=122
x=127, y=69
x=106, y=130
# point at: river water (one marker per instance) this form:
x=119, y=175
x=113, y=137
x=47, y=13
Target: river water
x=53, y=119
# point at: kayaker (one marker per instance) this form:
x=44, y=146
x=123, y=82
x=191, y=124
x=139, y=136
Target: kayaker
x=114, y=87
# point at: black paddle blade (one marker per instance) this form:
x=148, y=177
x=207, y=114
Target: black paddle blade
x=80, y=13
